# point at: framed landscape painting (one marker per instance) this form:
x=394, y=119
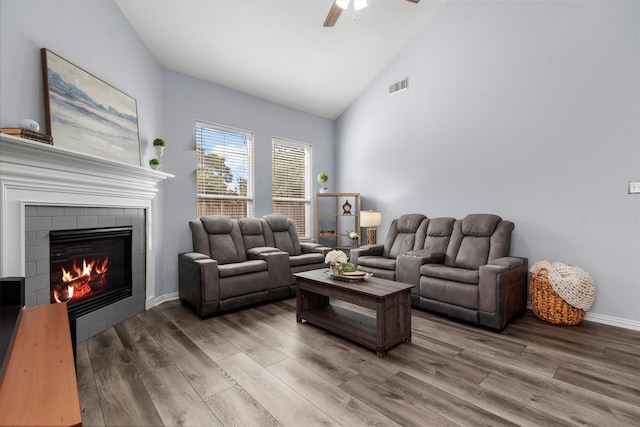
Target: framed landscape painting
x=87, y=115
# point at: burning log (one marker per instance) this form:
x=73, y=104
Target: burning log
x=86, y=280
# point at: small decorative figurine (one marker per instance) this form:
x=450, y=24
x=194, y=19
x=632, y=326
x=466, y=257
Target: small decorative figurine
x=346, y=208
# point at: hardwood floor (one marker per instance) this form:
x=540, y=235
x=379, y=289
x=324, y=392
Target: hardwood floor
x=258, y=367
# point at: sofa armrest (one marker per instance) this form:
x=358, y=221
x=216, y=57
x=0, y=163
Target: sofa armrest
x=311, y=247
x=366, y=250
x=502, y=290
x=508, y=261
x=279, y=268
x=426, y=256
x=198, y=280
x=323, y=249
x=408, y=265
x=260, y=252
x=192, y=257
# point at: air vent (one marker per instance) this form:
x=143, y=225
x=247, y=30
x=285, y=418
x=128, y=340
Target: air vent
x=398, y=86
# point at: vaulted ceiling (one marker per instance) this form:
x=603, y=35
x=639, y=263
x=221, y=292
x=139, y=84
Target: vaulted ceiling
x=278, y=49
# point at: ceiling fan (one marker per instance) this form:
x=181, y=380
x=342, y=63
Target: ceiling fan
x=339, y=5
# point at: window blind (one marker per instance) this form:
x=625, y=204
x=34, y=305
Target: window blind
x=291, y=183
x=224, y=171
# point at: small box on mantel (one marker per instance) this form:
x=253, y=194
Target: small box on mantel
x=28, y=134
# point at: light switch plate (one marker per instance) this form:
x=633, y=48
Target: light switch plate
x=634, y=187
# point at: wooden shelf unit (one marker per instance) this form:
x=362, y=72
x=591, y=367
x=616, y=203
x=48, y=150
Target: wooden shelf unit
x=331, y=221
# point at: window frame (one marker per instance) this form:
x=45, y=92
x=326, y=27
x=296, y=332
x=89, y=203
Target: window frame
x=250, y=156
x=308, y=148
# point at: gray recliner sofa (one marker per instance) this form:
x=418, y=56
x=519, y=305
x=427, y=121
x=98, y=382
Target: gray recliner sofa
x=460, y=268
x=236, y=263
x=219, y=275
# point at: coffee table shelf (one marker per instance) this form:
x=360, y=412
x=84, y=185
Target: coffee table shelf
x=344, y=322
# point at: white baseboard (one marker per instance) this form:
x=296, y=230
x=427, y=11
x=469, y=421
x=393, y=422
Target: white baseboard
x=166, y=297
x=607, y=320
x=612, y=321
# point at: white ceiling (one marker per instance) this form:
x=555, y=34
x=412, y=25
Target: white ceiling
x=278, y=49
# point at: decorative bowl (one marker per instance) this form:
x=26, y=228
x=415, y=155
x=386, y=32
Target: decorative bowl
x=345, y=278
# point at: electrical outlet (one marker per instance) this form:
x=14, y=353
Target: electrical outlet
x=634, y=187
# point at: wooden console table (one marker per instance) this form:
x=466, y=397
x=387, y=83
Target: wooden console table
x=390, y=301
x=38, y=378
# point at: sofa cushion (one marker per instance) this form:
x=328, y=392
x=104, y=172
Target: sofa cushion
x=480, y=225
x=438, y=234
x=405, y=234
x=200, y=237
x=471, y=241
x=473, y=252
x=455, y=293
x=225, y=241
x=252, y=233
x=282, y=234
x=377, y=262
x=444, y=272
x=409, y=223
x=277, y=222
x=217, y=224
x=244, y=285
x=223, y=249
x=235, y=269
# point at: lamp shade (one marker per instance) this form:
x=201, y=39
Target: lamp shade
x=370, y=219
x=359, y=4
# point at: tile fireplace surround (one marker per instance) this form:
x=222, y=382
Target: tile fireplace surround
x=44, y=187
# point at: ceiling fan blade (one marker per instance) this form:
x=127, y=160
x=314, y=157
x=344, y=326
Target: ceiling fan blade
x=414, y=1
x=334, y=14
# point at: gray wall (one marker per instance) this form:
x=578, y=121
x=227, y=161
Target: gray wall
x=187, y=100
x=97, y=37
x=529, y=110
x=93, y=35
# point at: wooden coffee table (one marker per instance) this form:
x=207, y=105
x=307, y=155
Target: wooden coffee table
x=390, y=300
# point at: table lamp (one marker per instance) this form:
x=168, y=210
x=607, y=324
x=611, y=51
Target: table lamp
x=370, y=220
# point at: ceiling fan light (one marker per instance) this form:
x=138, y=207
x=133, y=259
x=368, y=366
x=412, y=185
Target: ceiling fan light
x=343, y=4
x=359, y=4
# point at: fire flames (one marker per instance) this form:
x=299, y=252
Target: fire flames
x=80, y=281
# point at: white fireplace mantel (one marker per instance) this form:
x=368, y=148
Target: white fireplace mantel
x=33, y=173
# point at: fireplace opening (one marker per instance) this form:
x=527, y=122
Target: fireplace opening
x=90, y=268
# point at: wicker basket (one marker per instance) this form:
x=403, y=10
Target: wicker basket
x=547, y=305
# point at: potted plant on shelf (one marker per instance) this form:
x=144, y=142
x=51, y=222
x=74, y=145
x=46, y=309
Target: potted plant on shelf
x=322, y=179
x=154, y=164
x=159, y=145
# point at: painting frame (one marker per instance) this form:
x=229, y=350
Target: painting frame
x=88, y=115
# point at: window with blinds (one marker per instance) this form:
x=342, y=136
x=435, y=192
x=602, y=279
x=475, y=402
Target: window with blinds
x=291, y=183
x=224, y=170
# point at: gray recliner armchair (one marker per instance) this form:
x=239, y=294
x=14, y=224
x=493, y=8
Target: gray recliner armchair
x=406, y=233
x=477, y=280
x=219, y=275
x=280, y=232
